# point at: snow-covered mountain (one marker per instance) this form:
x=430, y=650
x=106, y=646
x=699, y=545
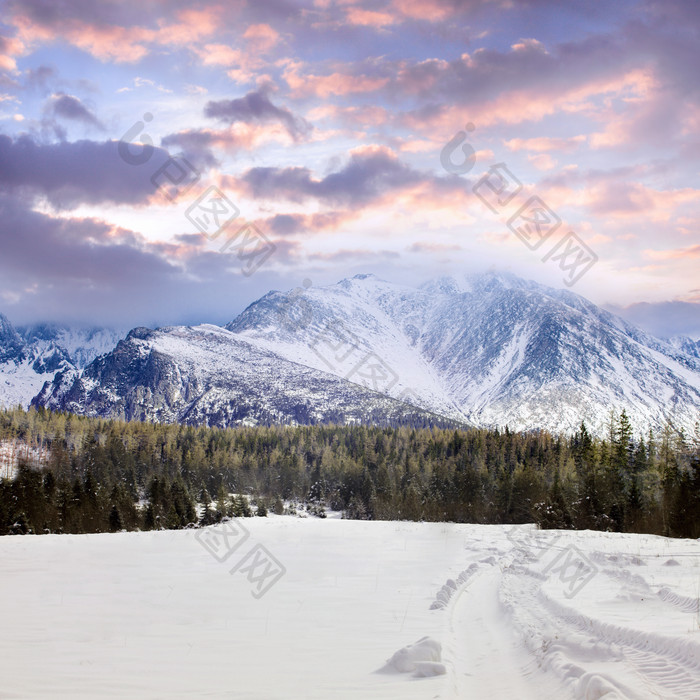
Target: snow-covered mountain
x=206, y=375
x=32, y=355
x=488, y=349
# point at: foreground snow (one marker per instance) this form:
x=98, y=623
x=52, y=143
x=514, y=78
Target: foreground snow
x=352, y=610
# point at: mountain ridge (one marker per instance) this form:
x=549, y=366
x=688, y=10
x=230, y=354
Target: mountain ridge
x=490, y=349
x=490, y=342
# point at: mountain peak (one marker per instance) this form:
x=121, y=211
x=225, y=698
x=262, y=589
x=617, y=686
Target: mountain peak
x=441, y=285
x=366, y=276
x=11, y=342
x=497, y=280
x=489, y=348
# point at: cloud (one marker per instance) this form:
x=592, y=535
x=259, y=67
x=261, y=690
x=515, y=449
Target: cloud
x=39, y=77
x=77, y=262
x=206, y=146
x=261, y=37
x=198, y=145
x=88, y=271
x=139, y=82
x=663, y=319
x=692, y=251
x=256, y=107
x=545, y=80
x=542, y=161
x=244, y=63
x=288, y=224
x=10, y=48
x=369, y=18
x=434, y=248
x=71, y=108
x=543, y=144
x=429, y=10
x=303, y=83
x=370, y=173
x=82, y=172
x=79, y=248
x=111, y=31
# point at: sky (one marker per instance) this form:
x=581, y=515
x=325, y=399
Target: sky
x=168, y=162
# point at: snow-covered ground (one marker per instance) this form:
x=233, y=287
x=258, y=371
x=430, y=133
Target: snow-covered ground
x=316, y=608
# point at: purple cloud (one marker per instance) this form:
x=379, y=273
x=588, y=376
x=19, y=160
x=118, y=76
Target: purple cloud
x=70, y=174
x=69, y=107
x=663, y=319
x=256, y=107
x=366, y=177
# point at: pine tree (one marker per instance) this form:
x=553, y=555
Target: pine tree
x=208, y=515
x=172, y=519
x=222, y=507
x=115, y=520
x=241, y=507
x=149, y=520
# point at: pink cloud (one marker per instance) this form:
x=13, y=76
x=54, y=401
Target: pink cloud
x=675, y=254
x=479, y=75
x=529, y=45
x=363, y=116
x=369, y=18
x=192, y=26
x=617, y=202
x=261, y=37
x=10, y=47
x=543, y=161
x=430, y=10
x=244, y=64
x=326, y=85
x=542, y=144
x=112, y=42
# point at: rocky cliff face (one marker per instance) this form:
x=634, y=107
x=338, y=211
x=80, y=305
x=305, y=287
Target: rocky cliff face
x=207, y=376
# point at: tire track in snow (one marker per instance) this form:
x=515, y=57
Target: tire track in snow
x=556, y=634
x=684, y=603
x=484, y=657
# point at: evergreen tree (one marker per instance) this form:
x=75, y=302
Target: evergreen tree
x=222, y=507
x=115, y=520
x=208, y=515
x=149, y=519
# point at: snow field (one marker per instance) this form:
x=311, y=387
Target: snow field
x=156, y=615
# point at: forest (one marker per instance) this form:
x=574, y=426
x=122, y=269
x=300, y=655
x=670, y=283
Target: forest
x=99, y=475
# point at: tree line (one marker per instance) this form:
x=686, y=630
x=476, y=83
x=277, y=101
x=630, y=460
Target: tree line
x=108, y=475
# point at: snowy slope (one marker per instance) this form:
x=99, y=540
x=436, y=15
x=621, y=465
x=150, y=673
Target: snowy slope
x=686, y=345
x=155, y=615
x=492, y=349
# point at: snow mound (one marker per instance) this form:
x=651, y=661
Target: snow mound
x=591, y=686
x=426, y=669
x=423, y=658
